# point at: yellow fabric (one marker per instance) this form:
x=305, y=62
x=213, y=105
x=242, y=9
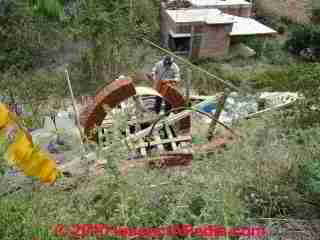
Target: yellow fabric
x=23, y=154
x=4, y=115
x=20, y=150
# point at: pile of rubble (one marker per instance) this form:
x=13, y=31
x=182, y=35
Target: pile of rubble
x=157, y=142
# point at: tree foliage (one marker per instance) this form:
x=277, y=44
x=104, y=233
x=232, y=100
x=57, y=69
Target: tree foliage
x=303, y=37
x=49, y=8
x=113, y=28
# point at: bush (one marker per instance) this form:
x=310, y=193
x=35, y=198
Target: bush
x=307, y=142
x=276, y=80
x=281, y=29
x=305, y=80
x=303, y=37
x=256, y=44
x=316, y=14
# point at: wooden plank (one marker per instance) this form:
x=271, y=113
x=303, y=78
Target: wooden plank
x=142, y=149
x=128, y=142
x=184, y=147
x=199, y=97
x=158, y=139
x=109, y=122
x=170, y=135
x=217, y=114
x=141, y=121
x=164, y=141
x=128, y=131
x=169, y=120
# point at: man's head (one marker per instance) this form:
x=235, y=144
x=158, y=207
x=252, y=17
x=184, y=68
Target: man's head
x=167, y=61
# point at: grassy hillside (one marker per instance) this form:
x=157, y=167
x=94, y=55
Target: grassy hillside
x=269, y=177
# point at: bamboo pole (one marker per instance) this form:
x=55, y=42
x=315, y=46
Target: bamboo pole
x=75, y=108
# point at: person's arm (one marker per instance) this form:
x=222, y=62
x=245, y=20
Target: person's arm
x=155, y=70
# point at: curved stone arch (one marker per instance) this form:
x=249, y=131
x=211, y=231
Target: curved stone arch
x=114, y=93
x=110, y=95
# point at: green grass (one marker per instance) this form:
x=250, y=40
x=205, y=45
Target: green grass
x=257, y=177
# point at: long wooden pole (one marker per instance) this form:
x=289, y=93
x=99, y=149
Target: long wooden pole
x=217, y=114
x=74, y=107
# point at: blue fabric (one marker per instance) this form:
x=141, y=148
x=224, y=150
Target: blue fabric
x=208, y=108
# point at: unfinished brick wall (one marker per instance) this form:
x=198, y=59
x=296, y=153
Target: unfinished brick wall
x=295, y=10
x=237, y=10
x=196, y=39
x=245, y=11
x=215, y=40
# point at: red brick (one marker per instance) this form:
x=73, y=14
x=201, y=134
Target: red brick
x=245, y=11
x=215, y=40
x=172, y=159
x=174, y=97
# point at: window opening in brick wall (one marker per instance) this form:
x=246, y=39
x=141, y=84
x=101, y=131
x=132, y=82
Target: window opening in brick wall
x=179, y=44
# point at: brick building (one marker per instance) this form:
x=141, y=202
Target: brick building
x=206, y=27
x=296, y=10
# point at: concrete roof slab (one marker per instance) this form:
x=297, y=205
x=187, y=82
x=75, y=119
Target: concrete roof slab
x=248, y=26
x=209, y=16
x=213, y=3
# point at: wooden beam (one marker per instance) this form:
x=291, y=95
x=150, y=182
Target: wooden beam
x=170, y=135
x=159, y=140
x=164, y=141
x=217, y=114
x=143, y=148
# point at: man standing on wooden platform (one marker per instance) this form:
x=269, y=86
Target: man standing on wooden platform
x=166, y=71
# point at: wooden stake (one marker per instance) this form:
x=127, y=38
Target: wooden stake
x=187, y=84
x=217, y=114
x=74, y=108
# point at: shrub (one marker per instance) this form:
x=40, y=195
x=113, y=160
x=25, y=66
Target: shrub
x=304, y=78
x=276, y=80
x=316, y=14
x=302, y=37
x=307, y=141
x=255, y=43
x=285, y=20
x=281, y=29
